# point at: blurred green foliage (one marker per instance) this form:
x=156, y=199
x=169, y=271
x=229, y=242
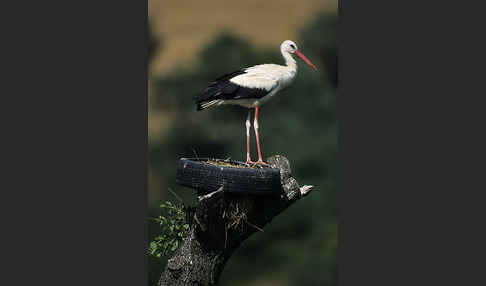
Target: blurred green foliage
x=299, y=246
x=153, y=43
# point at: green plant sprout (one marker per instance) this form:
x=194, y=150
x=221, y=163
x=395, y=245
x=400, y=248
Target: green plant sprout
x=173, y=230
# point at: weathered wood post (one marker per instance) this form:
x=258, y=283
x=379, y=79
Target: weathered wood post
x=234, y=202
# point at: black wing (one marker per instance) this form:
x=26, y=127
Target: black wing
x=223, y=89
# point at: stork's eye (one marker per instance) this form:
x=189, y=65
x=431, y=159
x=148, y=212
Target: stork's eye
x=292, y=46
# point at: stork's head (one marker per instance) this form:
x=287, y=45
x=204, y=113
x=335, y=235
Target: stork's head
x=290, y=47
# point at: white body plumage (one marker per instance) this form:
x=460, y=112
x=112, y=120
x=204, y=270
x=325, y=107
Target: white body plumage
x=270, y=77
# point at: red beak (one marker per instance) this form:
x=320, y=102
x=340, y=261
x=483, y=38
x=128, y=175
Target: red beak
x=302, y=57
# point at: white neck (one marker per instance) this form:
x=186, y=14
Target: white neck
x=289, y=60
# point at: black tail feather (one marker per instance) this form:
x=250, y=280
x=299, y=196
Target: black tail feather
x=216, y=90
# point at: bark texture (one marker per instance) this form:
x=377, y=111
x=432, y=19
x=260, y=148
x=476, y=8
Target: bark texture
x=221, y=223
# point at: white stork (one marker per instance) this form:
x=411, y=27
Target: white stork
x=251, y=87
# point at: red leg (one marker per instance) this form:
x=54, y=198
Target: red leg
x=248, y=125
x=255, y=126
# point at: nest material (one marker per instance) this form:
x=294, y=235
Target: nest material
x=232, y=164
x=235, y=214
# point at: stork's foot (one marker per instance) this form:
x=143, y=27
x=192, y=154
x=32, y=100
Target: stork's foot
x=257, y=163
x=260, y=162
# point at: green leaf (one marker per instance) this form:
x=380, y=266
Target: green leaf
x=174, y=245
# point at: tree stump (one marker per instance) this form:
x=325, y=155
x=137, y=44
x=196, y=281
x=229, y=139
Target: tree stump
x=224, y=218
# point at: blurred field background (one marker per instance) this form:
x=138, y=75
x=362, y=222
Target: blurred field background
x=193, y=42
